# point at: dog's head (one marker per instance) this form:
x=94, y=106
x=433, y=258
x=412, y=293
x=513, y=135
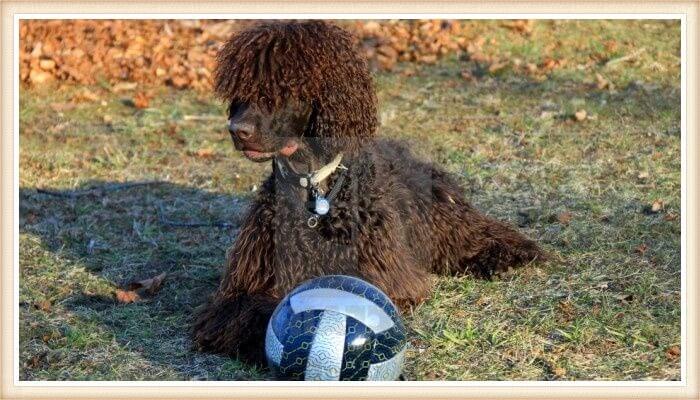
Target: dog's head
x=296, y=89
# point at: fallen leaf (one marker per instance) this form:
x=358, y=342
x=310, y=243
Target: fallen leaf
x=480, y=57
x=172, y=129
x=549, y=63
x=673, y=352
x=141, y=100
x=371, y=27
x=671, y=217
x=150, y=286
x=205, y=153
x=36, y=50
x=641, y=249
x=124, y=87
x=39, y=77
x=559, y=371
x=497, y=66
x=657, y=67
x=467, y=75
x=567, y=309
x=523, y=26
x=61, y=107
x=386, y=63
x=602, y=83
x=180, y=82
x=59, y=127
x=34, y=362
x=428, y=59
x=84, y=95
x=126, y=296
x=610, y=45
x=388, y=51
x=43, y=305
x=47, y=65
x=580, y=115
x=547, y=114
x=565, y=217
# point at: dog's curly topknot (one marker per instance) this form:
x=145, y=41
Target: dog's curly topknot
x=311, y=61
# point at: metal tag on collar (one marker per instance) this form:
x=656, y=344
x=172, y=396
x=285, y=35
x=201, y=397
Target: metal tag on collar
x=322, y=205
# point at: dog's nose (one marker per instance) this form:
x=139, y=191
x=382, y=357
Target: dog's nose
x=242, y=130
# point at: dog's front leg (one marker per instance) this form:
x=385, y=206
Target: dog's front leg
x=234, y=320
x=234, y=324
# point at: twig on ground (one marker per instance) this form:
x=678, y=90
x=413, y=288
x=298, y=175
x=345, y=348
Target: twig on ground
x=217, y=224
x=630, y=56
x=97, y=189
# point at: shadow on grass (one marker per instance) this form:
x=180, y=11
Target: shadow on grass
x=106, y=239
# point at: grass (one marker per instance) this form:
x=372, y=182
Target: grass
x=606, y=308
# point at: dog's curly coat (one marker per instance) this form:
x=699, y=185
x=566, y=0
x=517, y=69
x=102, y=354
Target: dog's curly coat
x=395, y=220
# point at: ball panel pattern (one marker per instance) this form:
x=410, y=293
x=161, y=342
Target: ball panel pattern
x=352, y=285
x=388, y=343
x=359, y=344
x=297, y=339
x=326, y=353
x=388, y=370
x=349, y=304
x=280, y=316
x=273, y=347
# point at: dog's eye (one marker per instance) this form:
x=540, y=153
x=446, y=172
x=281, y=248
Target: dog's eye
x=233, y=108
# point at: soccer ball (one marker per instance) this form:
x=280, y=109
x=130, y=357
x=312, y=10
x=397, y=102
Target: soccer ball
x=336, y=327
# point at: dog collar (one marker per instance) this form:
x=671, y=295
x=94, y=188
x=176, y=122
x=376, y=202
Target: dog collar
x=318, y=204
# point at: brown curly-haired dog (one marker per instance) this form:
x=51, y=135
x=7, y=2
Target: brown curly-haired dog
x=301, y=95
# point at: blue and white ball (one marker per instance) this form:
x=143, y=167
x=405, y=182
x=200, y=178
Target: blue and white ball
x=334, y=328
